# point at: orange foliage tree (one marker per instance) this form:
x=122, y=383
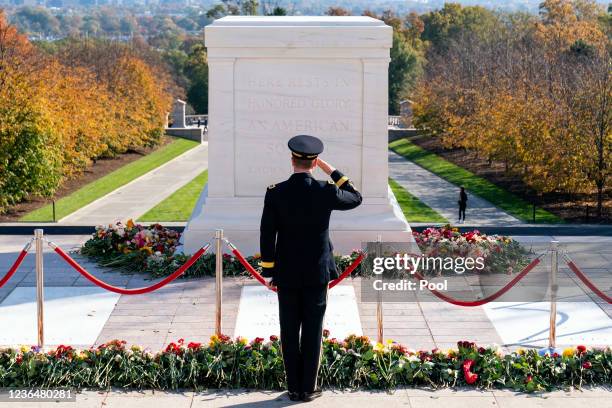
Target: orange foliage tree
x=535, y=93
x=59, y=112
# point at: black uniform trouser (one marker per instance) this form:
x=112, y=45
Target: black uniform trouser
x=301, y=309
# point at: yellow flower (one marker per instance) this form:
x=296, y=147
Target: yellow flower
x=130, y=223
x=257, y=255
x=569, y=352
x=451, y=353
x=242, y=340
x=520, y=351
x=136, y=348
x=82, y=355
x=390, y=341
x=24, y=349
x=379, y=347
x=147, y=249
x=214, y=338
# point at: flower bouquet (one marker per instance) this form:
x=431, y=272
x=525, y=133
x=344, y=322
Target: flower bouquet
x=499, y=254
x=354, y=362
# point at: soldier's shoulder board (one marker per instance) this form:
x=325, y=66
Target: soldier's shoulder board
x=271, y=186
x=330, y=182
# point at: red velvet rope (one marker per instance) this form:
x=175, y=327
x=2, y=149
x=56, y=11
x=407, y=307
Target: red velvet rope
x=489, y=298
x=587, y=281
x=250, y=268
x=261, y=280
x=137, y=291
x=347, y=271
x=14, y=268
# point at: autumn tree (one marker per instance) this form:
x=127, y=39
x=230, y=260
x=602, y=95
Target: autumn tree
x=533, y=93
x=65, y=106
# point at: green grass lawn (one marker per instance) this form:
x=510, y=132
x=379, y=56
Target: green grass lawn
x=414, y=209
x=473, y=183
x=111, y=181
x=179, y=205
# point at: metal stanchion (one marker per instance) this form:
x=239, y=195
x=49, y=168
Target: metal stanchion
x=379, y=303
x=218, y=279
x=554, y=269
x=38, y=235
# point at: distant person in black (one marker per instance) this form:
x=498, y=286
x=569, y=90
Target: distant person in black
x=296, y=253
x=462, y=205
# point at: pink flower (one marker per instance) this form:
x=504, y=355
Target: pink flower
x=470, y=377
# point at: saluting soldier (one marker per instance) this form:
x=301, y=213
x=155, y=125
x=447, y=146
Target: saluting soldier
x=297, y=254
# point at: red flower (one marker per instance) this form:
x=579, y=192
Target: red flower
x=581, y=349
x=424, y=355
x=400, y=349
x=470, y=377
x=194, y=345
x=174, y=349
x=63, y=351
x=258, y=340
x=528, y=379
x=19, y=359
x=273, y=338
x=325, y=333
x=466, y=344
x=555, y=355
x=586, y=365
x=481, y=350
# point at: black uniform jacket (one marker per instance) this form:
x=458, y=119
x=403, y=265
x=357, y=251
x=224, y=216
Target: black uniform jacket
x=295, y=247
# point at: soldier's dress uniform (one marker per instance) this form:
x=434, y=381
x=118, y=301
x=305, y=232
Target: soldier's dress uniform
x=297, y=254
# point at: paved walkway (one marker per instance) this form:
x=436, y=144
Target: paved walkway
x=442, y=196
x=404, y=397
x=185, y=308
x=137, y=197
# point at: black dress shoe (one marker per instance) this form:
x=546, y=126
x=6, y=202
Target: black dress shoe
x=295, y=396
x=309, y=396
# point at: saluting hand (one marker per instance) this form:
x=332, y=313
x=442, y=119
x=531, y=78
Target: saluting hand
x=325, y=166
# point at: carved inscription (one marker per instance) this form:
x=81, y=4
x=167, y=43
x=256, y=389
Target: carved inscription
x=277, y=100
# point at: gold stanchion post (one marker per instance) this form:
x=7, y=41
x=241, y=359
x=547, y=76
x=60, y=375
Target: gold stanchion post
x=379, y=303
x=218, y=279
x=40, y=295
x=554, y=269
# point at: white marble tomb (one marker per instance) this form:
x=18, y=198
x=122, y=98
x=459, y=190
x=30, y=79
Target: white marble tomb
x=271, y=78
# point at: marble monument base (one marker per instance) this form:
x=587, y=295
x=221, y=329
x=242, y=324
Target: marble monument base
x=240, y=217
